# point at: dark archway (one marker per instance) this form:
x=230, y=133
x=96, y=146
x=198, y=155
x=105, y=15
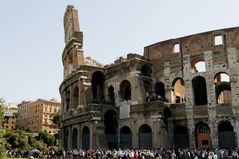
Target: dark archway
x=146, y=70
x=66, y=138
x=202, y=136
x=178, y=91
x=85, y=138
x=111, y=127
x=125, y=137
x=145, y=136
x=111, y=95
x=76, y=97
x=226, y=135
x=68, y=100
x=181, y=139
x=159, y=90
x=74, y=139
x=125, y=90
x=98, y=85
x=199, y=90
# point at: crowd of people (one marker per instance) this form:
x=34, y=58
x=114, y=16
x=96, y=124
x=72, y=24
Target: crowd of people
x=160, y=153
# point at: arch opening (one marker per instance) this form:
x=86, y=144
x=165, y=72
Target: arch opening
x=74, y=139
x=160, y=91
x=66, y=132
x=111, y=95
x=125, y=90
x=98, y=86
x=125, y=137
x=76, y=97
x=85, y=138
x=181, y=139
x=67, y=100
x=111, y=125
x=146, y=71
x=226, y=135
x=222, y=88
x=199, y=90
x=145, y=136
x=199, y=66
x=178, y=91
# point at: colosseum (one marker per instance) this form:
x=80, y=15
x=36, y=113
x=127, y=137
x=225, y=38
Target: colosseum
x=181, y=92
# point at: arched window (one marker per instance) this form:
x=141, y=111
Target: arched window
x=76, y=97
x=181, y=139
x=159, y=90
x=223, y=88
x=178, y=91
x=98, y=85
x=67, y=100
x=199, y=67
x=85, y=138
x=74, y=138
x=125, y=90
x=111, y=95
x=111, y=127
x=146, y=71
x=125, y=137
x=145, y=136
x=226, y=135
x=200, y=90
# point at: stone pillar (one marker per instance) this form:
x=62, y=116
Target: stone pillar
x=92, y=135
x=167, y=85
x=71, y=97
x=70, y=138
x=135, y=136
x=191, y=133
x=209, y=80
x=214, y=132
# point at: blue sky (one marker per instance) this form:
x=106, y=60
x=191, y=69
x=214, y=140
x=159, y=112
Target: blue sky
x=32, y=36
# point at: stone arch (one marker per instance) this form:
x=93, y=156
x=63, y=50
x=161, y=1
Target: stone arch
x=66, y=138
x=111, y=95
x=159, y=90
x=181, y=138
x=125, y=90
x=74, y=138
x=198, y=64
x=85, y=138
x=202, y=135
x=145, y=136
x=111, y=128
x=68, y=100
x=199, y=90
x=178, y=91
x=75, y=97
x=98, y=85
x=146, y=70
x=125, y=137
x=226, y=135
x=222, y=88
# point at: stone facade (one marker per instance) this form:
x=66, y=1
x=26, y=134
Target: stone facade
x=37, y=115
x=10, y=116
x=181, y=93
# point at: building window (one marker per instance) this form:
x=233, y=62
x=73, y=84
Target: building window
x=176, y=48
x=218, y=40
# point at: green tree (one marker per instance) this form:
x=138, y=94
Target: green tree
x=2, y=140
x=46, y=137
x=17, y=139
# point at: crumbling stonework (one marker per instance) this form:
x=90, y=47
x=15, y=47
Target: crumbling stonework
x=181, y=93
